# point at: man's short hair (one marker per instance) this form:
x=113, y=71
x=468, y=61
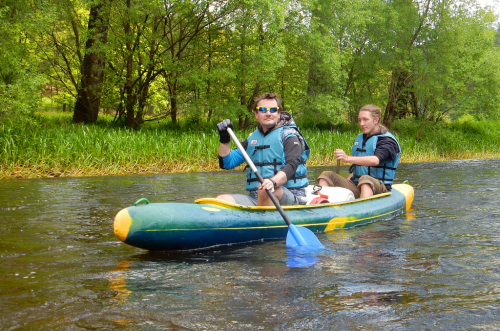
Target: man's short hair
x=270, y=96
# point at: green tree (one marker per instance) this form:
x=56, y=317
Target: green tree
x=156, y=50
x=424, y=59
x=89, y=90
x=253, y=54
x=324, y=98
x=461, y=64
x=68, y=54
x=210, y=58
x=20, y=82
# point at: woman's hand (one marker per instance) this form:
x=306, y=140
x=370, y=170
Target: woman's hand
x=341, y=155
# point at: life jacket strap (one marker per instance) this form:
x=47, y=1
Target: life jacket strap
x=383, y=178
x=260, y=147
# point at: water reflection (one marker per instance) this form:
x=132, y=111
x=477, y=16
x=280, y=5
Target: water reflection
x=302, y=256
x=118, y=282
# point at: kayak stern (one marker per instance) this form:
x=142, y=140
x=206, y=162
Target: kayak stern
x=407, y=191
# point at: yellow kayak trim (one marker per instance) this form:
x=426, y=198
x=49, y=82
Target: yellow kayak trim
x=123, y=221
x=405, y=189
x=229, y=205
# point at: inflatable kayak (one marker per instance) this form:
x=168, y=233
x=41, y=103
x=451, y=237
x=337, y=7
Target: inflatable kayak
x=211, y=222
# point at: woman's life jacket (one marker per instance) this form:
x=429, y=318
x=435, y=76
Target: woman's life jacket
x=385, y=171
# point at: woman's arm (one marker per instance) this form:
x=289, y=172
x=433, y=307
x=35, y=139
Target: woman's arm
x=369, y=161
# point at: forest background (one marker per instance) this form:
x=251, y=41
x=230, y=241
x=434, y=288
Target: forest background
x=109, y=87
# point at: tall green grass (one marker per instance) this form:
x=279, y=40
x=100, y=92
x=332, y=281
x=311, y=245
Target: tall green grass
x=53, y=146
x=445, y=141
x=76, y=149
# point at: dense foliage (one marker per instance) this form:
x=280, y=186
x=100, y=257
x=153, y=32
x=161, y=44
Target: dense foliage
x=206, y=59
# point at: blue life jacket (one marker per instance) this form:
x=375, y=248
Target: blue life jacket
x=267, y=153
x=385, y=171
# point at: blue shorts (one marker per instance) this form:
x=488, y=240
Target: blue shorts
x=297, y=197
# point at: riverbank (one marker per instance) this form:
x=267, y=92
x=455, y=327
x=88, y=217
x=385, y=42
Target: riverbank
x=47, y=171
x=52, y=147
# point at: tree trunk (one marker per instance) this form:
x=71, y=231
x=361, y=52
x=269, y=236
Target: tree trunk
x=130, y=97
x=255, y=94
x=402, y=100
x=397, y=105
x=92, y=70
x=144, y=88
x=414, y=104
x=172, y=90
x=243, y=102
x=173, y=109
x=210, y=110
x=209, y=70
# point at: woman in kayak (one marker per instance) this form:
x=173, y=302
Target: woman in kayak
x=374, y=158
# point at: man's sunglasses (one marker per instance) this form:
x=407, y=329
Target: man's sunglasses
x=272, y=110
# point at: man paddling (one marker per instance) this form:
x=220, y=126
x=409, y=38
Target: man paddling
x=277, y=149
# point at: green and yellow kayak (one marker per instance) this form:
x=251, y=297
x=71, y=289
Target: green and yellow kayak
x=211, y=222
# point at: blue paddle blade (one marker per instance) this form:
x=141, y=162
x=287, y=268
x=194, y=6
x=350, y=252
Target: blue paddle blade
x=300, y=236
x=297, y=260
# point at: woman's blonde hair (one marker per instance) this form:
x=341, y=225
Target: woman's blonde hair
x=375, y=112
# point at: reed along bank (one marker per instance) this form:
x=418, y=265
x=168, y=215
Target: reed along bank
x=53, y=147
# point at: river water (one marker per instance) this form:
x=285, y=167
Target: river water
x=436, y=268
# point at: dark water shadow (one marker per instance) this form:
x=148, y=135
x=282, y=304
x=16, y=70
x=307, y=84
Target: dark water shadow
x=296, y=256
x=223, y=253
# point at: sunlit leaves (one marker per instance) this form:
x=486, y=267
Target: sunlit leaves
x=207, y=59
x=20, y=83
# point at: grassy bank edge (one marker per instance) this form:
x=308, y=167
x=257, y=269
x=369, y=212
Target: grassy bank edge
x=18, y=172
x=52, y=147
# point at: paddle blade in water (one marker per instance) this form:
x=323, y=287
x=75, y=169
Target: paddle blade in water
x=300, y=236
x=297, y=259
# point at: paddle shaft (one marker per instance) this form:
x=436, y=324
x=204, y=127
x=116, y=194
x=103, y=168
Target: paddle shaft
x=338, y=166
x=259, y=177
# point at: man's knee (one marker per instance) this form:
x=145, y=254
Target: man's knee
x=264, y=199
x=226, y=197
